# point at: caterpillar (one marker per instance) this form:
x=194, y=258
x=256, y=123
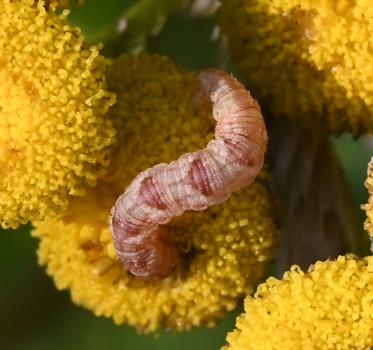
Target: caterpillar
x=195, y=181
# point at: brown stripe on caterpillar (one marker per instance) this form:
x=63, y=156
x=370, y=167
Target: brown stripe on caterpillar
x=238, y=150
x=150, y=195
x=193, y=182
x=198, y=177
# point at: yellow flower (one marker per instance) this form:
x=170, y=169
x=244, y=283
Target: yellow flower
x=54, y=135
x=225, y=248
x=310, y=60
x=329, y=307
x=368, y=225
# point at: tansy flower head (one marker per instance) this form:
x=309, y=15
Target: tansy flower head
x=310, y=59
x=225, y=248
x=369, y=206
x=329, y=307
x=54, y=135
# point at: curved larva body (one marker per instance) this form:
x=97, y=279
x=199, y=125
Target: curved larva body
x=193, y=182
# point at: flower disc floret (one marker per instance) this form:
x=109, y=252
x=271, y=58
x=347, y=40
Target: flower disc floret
x=54, y=135
x=224, y=249
x=368, y=225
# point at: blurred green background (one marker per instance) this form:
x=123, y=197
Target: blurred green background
x=34, y=315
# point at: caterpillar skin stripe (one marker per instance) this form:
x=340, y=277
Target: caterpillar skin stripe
x=195, y=181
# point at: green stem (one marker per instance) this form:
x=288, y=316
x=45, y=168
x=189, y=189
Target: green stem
x=137, y=20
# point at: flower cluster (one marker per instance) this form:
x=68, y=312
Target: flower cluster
x=67, y=151
x=310, y=60
x=225, y=248
x=328, y=307
x=54, y=132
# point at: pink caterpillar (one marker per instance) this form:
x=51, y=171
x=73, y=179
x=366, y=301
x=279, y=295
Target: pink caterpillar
x=193, y=182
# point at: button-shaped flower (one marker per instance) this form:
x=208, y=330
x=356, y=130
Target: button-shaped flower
x=224, y=249
x=328, y=307
x=310, y=60
x=54, y=132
